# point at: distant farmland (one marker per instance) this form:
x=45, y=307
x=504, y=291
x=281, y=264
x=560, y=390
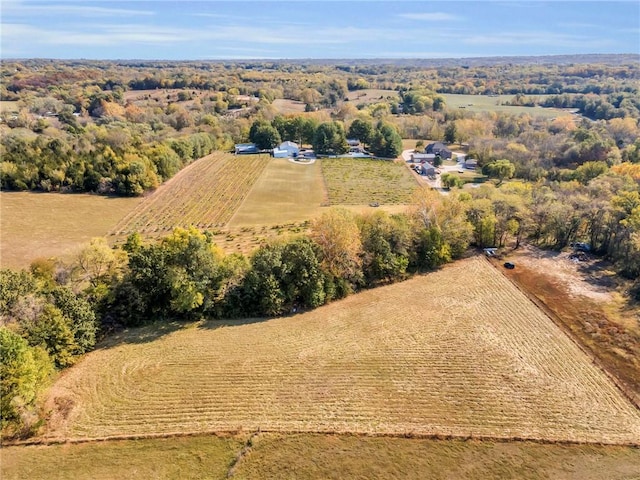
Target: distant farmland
x=487, y=103
x=458, y=352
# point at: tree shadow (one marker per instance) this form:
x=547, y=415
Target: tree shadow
x=154, y=331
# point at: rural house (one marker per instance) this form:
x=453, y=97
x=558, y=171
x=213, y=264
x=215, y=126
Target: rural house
x=286, y=150
x=438, y=148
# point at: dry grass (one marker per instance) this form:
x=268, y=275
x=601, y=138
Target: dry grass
x=337, y=457
x=353, y=181
x=458, y=352
x=286, y=192
x=585, y=302
x=180, y=458
x=284, y=106
x=323, y=457
x=48, y=225
x=205, y=194
x=372, y=95
x=8, y=106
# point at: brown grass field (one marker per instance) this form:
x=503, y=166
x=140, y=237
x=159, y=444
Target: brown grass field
x=285, y=192
x=360, y=181
x=205, y=194
x=35, y=225
x=322, y=457
x=459, y=352
x=284, y=106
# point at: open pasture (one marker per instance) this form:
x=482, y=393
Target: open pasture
x=458, y=352
x=486, y=103
x=372, y=95
x=35, y=225
x=355, y=181
x=205, y=194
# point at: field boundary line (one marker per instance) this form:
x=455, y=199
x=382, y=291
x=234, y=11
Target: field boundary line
x=266, y=164
x=240, y=431
x=630, y=396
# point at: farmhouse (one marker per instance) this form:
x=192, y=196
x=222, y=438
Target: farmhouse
x=245, y=148
x=423, y=157
x=438, y=148
x=286, y=150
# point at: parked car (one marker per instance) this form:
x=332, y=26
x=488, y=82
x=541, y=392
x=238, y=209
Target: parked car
x=509, y=265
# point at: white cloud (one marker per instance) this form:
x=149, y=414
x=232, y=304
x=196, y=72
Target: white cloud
x=19, y=9
x=539, y=38
x=434, y=16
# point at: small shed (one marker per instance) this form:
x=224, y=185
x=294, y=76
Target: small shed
x=428, y=170
x=244, y=148
x=470, y=163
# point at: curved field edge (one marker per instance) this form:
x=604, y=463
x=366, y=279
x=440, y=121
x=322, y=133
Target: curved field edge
x=460, y=352
x=317, y=456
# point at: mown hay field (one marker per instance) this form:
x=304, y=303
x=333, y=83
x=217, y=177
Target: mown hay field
x=354, y=181
x=205, y=195
x=458, y=352
x=44, y=225
x=286, y=192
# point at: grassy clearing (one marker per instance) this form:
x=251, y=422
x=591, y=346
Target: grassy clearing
x=284, y=106
x=353, y=181
x=179, y=458
x=323, y=457
x=54, y=225
x=206, y=194
x=372, y=95
x=458, y=352
x=485, y=103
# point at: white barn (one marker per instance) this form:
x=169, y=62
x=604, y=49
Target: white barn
x=286, y=150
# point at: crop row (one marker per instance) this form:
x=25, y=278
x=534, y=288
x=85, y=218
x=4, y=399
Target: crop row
x=469, y=354
x=205, y=195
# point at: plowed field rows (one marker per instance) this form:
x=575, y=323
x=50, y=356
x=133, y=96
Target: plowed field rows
x=457, y=352
x=206, y=194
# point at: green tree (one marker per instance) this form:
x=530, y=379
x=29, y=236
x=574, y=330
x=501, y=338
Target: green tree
x=450, y=133
x=362, y=130
x=24, y=371
x=500, y=169
x=264, y=135
x=386, y=141
x=330, y=139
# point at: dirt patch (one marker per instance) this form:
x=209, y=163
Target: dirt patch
x=586, y=299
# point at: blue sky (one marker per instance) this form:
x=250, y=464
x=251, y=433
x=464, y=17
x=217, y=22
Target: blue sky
x=210, y=29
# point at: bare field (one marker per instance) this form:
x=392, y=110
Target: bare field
x=35, y=225
x=324, y=457
x=459, y=352
x=8, y=106
x=205, y=194
x=360, y=181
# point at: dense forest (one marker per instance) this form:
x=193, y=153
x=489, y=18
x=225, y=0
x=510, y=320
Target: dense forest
x=124, y=127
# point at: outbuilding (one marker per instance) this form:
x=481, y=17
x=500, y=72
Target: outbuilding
x=286, y=150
